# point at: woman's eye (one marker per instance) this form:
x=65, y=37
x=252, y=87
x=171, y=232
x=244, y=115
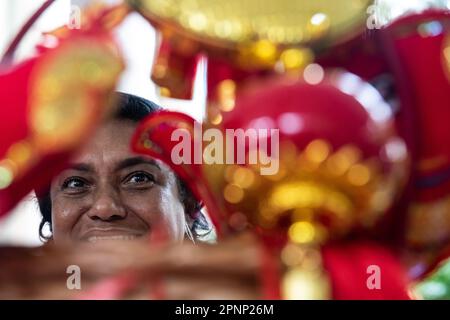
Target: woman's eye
x=139, y=178
x=74, y=184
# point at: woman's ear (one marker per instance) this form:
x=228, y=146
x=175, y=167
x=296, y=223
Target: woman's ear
x=188, y=232
x=49, y=240
x=189, y=221
x=191, y=206
x=45, y=238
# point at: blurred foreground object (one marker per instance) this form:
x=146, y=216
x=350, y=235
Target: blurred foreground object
x=243, y=36
x=333, y=184
x=358, y=118
x=426, y=38
x=132, y=270
x=50, y=104
x=408, y=62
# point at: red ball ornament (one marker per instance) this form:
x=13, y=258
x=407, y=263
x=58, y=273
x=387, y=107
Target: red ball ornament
x=340, y=162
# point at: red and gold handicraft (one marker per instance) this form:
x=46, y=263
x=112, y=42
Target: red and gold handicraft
x=342, y=160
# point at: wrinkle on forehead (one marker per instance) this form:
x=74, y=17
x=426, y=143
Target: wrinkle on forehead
x=109, y=145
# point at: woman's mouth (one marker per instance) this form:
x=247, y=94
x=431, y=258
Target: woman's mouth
x=94, y=239
x=110, y=234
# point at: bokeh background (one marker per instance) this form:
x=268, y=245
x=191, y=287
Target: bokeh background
x=138, y=42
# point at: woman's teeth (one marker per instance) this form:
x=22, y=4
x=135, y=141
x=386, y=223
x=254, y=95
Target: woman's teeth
x=102, y=238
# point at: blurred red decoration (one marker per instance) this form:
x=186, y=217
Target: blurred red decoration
x=50, y=104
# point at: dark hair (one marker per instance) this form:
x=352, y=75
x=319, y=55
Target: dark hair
x=131, y=107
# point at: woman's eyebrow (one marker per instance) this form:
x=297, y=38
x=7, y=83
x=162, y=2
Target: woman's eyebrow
x=130, y=162
x=80, y=167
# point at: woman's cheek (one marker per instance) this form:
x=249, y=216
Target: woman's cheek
x=160, y=210
x=65, y=215
x=174, y=214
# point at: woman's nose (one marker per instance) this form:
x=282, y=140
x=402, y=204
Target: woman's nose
x=107, y=207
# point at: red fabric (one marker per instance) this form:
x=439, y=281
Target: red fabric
x=270, y=275
x=441, y=257
x=14, y=128
x=362, y=56
x=13, y=97
x=180, y=70
x=347, y=266
x=423, y=75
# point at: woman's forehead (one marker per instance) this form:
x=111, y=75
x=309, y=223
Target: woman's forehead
x=109, y=149
x=109, y=144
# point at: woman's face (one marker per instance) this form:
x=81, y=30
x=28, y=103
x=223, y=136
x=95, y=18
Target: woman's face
x=110, y=193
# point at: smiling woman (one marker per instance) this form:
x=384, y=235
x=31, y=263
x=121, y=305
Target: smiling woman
x=109, y=193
